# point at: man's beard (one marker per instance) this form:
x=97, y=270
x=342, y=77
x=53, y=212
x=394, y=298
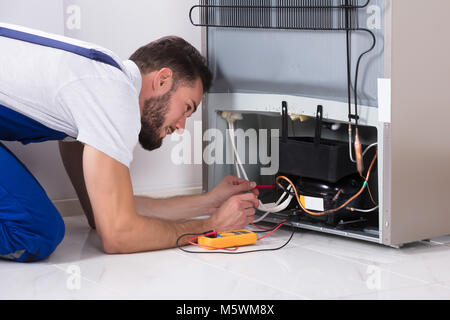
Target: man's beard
x=153, y=118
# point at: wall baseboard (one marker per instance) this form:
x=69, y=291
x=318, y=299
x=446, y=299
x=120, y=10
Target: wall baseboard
x=72, y=207
x=68, y=207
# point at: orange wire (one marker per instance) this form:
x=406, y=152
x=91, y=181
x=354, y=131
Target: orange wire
x=331, y=210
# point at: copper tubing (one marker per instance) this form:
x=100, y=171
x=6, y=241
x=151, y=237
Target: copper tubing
x=358, y=152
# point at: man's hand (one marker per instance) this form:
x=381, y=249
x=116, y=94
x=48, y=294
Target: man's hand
x=235, y=213
x=229, y=187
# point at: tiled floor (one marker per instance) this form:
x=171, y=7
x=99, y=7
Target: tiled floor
x=312, y=266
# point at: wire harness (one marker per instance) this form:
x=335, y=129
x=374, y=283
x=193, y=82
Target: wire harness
x=280, y=205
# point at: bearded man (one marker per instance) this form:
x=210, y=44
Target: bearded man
x=99, y=108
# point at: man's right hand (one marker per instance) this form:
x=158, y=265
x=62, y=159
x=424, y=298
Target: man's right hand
x=235, y=213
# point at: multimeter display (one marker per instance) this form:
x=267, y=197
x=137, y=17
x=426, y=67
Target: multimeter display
x=228, y=239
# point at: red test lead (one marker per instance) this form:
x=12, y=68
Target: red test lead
x=271, y=186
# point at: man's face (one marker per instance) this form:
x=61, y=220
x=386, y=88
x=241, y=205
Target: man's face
x=164, y=113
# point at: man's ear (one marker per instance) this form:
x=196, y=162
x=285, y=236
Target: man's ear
x=163, y=81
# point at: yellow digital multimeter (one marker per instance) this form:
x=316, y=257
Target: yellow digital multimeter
x=228, y=239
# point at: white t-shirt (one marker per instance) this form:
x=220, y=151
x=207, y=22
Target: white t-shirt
x=91, y=101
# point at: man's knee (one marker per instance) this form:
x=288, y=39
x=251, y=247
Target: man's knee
x=30, y=226
x=31, y=240
x=55, y=234
x=51, y=237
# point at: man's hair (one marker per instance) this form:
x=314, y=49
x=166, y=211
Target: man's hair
x=186, y=63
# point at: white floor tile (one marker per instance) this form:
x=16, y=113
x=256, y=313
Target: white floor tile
x=310, y=274
x=49, y=282
x=312, y=266
x=427, y=292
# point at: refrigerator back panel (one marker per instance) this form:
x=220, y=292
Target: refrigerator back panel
x=295, y=51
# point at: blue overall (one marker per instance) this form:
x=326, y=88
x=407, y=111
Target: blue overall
x=30, y=226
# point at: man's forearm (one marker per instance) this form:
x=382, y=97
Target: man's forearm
x=174, y=208
x=136, y=233
x=143, y=234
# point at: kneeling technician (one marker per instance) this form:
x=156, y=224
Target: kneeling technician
x=58, y=88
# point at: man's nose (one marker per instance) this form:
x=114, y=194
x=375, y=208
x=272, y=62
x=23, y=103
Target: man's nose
x=180, y=125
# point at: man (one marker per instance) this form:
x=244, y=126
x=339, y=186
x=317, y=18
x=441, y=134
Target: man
x=57, y=88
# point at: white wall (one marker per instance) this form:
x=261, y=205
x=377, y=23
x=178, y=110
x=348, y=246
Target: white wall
x=121, y=26
x=41, y=159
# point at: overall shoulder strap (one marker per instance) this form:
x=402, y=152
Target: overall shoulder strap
x=89, y=53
